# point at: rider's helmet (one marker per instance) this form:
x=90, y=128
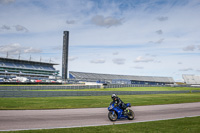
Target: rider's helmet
x=113, y=96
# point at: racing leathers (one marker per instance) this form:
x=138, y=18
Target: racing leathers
x=119, y=103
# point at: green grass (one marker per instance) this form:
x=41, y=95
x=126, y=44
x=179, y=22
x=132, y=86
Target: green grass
x=183, y=125
x=94, y=101
x=131, y=89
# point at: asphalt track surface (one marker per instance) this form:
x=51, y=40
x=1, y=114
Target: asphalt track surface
x=11, y=120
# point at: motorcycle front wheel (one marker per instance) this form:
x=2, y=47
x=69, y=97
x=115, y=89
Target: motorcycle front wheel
x=131, y=114
x=112, y=116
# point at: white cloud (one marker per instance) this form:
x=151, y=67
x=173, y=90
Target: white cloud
x=189, y=48
x=186, y=69
x=119, y=61
x=31, y=50
x=143, y=59
x=115, y=53
x=160, y=41
x=72, y=58
x=70, y=22
x=18, y=28
x=162, y=18
x=138, y=67
x=98, y=61
x=5, y=27
x=198, y=46
x=6, y=1
x=16, y=48
x=159, y=32
x=100, y=20
x=21, y=28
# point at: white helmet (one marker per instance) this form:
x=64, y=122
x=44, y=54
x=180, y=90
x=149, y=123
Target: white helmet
x=113, y=96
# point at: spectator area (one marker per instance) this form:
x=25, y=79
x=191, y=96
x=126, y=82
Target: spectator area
x=111, y=78
x=26, y=68
x=191, y=79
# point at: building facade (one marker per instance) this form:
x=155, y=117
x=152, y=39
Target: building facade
x=120, y=79
x=26, y=68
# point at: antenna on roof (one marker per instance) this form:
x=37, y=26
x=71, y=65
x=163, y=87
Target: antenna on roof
x=30, y=58
x=40, y=58
x=50, y=60
x=7, y=55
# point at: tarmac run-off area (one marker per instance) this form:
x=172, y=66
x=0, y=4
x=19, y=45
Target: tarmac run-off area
x=11, y=120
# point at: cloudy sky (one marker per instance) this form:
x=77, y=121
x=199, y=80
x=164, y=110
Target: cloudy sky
x=129, y=37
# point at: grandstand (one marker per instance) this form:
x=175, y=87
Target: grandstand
x=25, y=68
x=191, y=79
x=120, y=79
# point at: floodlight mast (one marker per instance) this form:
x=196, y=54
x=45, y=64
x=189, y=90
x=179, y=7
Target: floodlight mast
x=65, y=55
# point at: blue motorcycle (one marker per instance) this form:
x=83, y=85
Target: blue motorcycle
x=115, y=112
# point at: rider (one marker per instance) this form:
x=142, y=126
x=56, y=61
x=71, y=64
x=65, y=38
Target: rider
x=118, y=102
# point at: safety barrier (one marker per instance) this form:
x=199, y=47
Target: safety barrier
x=82, y=93
x=63, y=87
x=130, y=85
x=49, y=87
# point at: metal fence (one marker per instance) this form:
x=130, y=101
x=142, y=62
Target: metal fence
x=129, y=85
x=54, y=87
x=63, y=87
x=60, y=87
x=18, y=91
x=82, y=93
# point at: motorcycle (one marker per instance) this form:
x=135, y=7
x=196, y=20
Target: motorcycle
x=115, y=112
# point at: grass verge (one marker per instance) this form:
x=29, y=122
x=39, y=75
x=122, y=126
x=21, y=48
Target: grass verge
x=183, y=125
x=94, y=101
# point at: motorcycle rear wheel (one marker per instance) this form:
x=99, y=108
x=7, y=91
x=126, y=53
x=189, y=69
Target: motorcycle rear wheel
x=111, y=116
x=131, y=114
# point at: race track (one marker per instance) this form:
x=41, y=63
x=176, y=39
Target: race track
x=65, y=118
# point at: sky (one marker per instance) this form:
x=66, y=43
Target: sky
x=126, y=37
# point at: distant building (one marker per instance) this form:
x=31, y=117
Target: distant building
x=26, y=68
x=191, y=79
x=120, y=79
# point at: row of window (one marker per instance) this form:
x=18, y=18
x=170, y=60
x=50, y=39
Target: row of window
x=29, y=71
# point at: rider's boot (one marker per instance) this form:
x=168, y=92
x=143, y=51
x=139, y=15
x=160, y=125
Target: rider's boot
x=125, y=111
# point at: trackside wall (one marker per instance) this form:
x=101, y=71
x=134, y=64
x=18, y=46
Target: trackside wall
x=82, y=93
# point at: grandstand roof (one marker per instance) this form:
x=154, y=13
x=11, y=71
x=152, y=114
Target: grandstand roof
x=191, y=79
x=27, y=61
x=83, y=75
